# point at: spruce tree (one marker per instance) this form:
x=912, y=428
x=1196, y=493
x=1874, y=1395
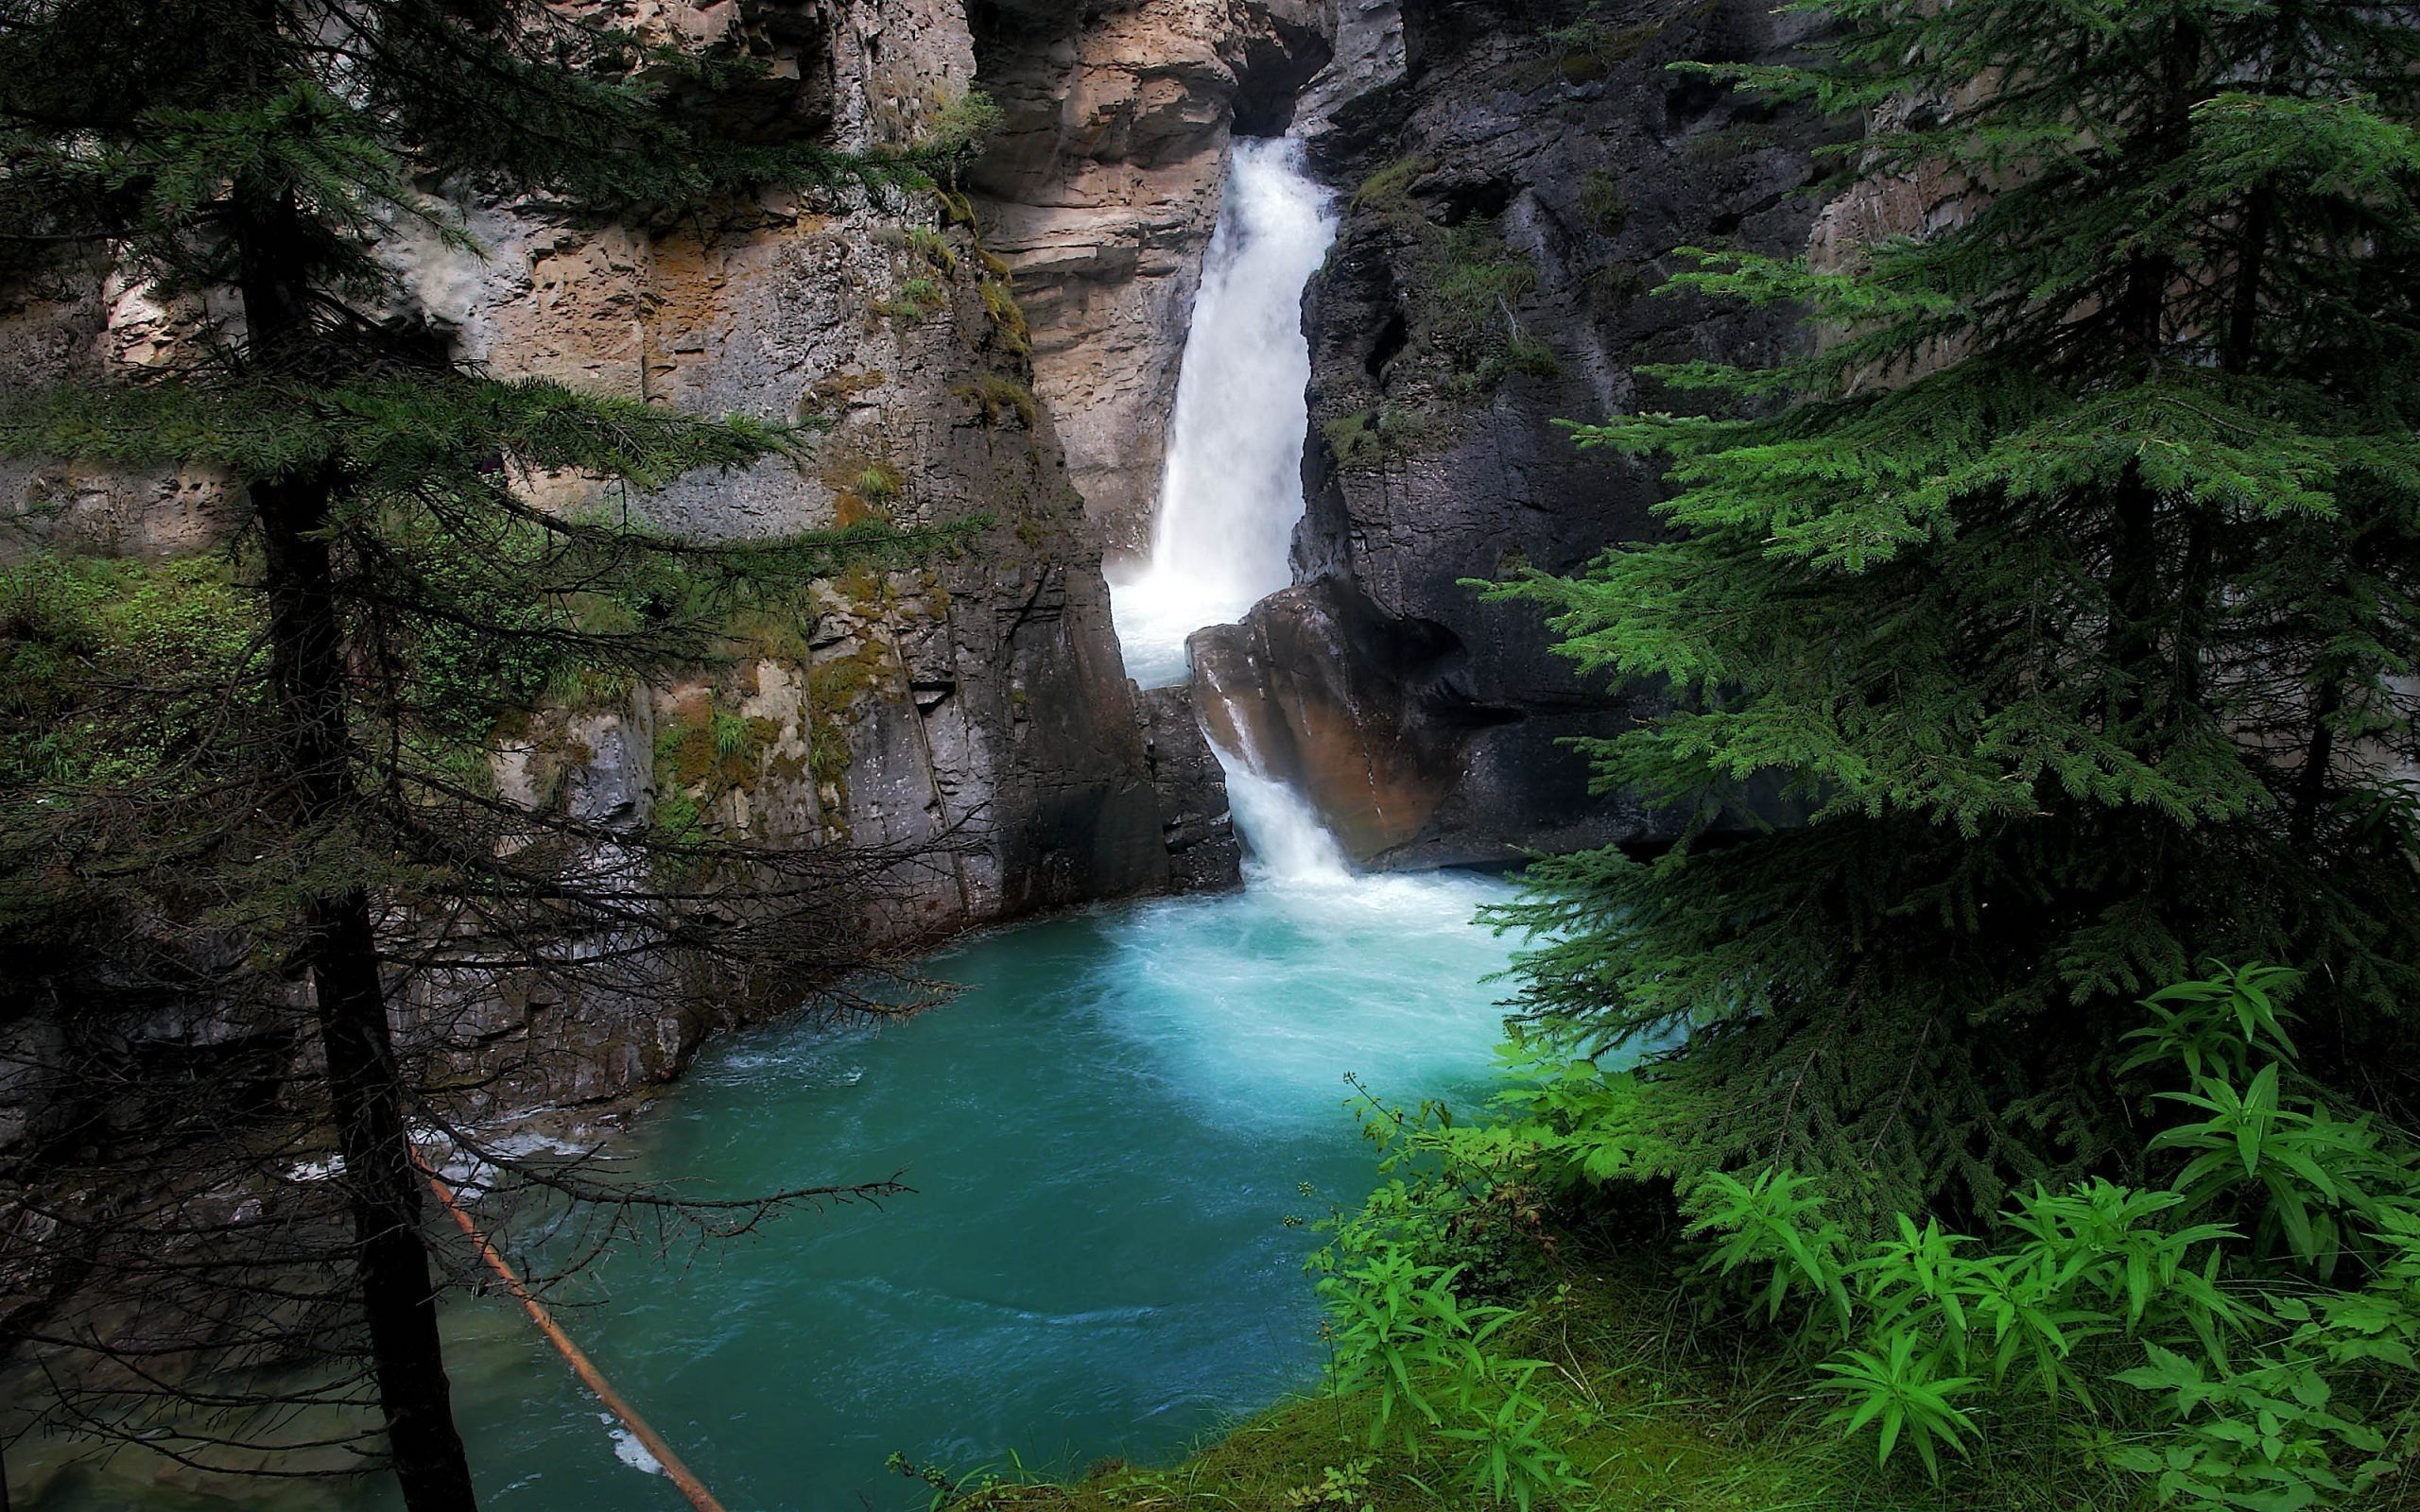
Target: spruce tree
x=294, y=789
x=2064, y=589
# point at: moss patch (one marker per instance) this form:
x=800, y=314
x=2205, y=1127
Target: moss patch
x=914, y=300
x=1007, y=317
x=1460, y=287
x=1369, y=438
x=999, y=398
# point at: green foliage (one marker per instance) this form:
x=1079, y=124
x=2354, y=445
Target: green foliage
x=876, y=484
x=1402, y=1329
x=1460, y=286
x=2260, y=1376
x=934, y=247
x=964, y=125
x=916, y=298
x=998, y=397
x=278, y=791
x=1605, y=203
x=1591, y=46
x=1388, y=189
x=1770, y=1224
x=1344, y=1486
x=2148, y=1327
x=115, y=672
x=1897, y=1394
x=2018, y=635
x=1463, y=295
x=1007, y=317
x=399, y=437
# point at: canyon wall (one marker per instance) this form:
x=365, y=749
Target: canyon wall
x=1011, y=348
x=1516, y=179
x=973, y=709
x=1100, y=194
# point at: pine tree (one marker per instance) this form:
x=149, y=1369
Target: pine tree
x=2065, y=586
x=303, y=797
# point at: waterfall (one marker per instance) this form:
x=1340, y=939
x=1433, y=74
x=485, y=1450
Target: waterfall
x=1234, y=486
x=1290, y=845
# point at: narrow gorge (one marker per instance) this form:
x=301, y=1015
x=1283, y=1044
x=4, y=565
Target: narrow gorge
x=1244, y=338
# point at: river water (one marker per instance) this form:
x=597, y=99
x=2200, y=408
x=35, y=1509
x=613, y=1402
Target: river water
x=1114, y=1135
x=1117, y=1134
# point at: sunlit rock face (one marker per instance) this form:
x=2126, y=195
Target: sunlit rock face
x=1101, y=193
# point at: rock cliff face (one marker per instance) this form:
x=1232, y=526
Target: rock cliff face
x=1512, y=197
x=975, y=709
x=1510, y=200
x=1102, y=192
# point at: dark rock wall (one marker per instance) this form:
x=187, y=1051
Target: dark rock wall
x=1199, y=833
x=1510, y=201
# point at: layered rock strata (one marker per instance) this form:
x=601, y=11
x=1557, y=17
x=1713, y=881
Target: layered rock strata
x=970, y=713
x=1100, y=194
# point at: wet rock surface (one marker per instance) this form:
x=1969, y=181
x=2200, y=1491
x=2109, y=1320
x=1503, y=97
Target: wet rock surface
x=1376, y=717
x=1203, y=852
x=1510, y=201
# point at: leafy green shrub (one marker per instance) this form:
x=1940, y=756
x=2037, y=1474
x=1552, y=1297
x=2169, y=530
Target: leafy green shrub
x=2260, y=1306
x=1406, y=1326
x=2237, y=1331
x=1344, y=1486
x=962, y=125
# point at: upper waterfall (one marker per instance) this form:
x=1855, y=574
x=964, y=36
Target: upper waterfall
x=1232, y=489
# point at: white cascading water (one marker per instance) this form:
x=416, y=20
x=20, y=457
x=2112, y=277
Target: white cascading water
x=1234, y=486
x=1120, y=1302
x=1289, y=843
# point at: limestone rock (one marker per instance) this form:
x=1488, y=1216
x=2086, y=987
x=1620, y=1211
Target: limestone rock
x=1100, y=194
x=1204, y=854
x=973, y=710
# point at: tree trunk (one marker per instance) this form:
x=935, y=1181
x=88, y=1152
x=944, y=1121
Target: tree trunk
x=364, y=1078
x=2311, y=785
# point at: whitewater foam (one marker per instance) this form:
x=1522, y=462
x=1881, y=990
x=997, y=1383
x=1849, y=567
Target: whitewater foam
x=1234, y=486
